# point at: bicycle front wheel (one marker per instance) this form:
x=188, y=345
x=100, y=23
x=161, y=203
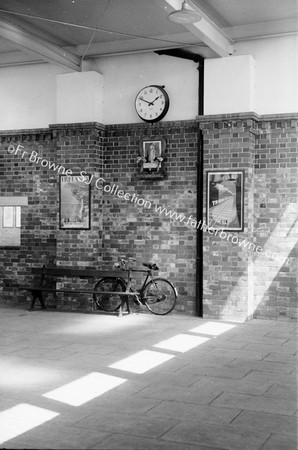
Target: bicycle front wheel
x=107, y=297
x=160, y=296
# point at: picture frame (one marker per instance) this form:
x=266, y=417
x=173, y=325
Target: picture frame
x=75, y=202
x=225, y=200
x=151, y=155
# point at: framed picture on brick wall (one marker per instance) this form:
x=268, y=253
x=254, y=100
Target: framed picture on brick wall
x=225, y=199
x=151, y=155
x=75, y=202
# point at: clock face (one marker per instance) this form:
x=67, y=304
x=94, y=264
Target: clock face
x=152, y=103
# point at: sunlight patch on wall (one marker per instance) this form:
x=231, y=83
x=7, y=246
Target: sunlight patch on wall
x=21, y=418
x=142, y=361
x=263, y=270
x=85, y=389
x=181, y=343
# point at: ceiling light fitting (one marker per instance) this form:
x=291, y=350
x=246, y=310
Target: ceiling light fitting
x=185, y=15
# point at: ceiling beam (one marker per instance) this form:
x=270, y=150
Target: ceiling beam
x=206, y=30
x=34, y=44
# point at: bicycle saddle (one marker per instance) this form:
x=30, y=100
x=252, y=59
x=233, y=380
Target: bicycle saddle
x=151, y=266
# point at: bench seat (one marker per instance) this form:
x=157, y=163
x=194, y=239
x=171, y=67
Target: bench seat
x=68, y=272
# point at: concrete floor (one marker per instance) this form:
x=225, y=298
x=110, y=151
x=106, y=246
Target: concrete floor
x=214, y=386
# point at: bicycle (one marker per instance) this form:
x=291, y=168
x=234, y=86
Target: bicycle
x=158, y=295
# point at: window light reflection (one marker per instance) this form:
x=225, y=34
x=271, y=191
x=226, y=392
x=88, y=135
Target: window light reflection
x=142, y=361
x=213, y=328
x=182, y=342
x=85, y=389
x=21, y=418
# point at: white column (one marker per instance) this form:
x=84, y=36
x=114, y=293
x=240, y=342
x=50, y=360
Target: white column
x=230, y=85
x=80, y=97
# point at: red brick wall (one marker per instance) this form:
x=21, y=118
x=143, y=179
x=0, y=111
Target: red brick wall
x=80, y=149
x=140, y=231
x=238, y=283
x=20, y=177
x=276, y=213
x=228, y=144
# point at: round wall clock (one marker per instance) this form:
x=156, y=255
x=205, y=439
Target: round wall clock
x=152, y=103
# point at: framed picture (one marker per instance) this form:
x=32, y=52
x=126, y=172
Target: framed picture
x=151, y=154
x=225, y=199
x=75, y=202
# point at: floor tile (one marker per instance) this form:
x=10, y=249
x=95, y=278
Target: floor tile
x=273, y=423
x=219, y=436
x=234, y=391
x=195, y=412
x=277, y=442
x=257, y=403
x=125, y=442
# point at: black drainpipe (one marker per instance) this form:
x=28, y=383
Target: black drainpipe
x=180, y=53
x=200, y=200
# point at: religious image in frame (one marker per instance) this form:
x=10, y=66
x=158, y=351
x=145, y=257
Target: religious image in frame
x=151, y=154
x=75, y=199
x=225, y=198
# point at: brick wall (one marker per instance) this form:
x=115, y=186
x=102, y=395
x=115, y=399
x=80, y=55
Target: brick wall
x=275, y=213
x=140, y=231
x=238, y=283
x=20, y=177
x=229, y=144
x=80, y=149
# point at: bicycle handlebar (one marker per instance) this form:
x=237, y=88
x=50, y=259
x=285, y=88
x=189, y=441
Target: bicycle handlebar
x=123, y=264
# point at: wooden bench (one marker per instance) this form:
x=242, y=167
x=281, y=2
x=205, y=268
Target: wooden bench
x=45, y=274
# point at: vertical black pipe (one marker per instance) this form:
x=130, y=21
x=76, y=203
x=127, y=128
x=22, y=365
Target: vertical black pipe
x=200, y=200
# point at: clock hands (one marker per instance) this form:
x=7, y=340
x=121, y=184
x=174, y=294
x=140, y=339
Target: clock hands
x=141, y=98
x=149, y=103
x=152, y=103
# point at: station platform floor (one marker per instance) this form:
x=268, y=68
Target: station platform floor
x=177, y=382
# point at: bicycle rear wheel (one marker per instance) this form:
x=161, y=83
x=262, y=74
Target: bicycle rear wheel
x=160, y=296
x=109, y=302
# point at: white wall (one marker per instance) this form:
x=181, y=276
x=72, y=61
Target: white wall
x=125, y=76
x=230, y=85
x=28, y=96
x=276, y=73
x=28, y=93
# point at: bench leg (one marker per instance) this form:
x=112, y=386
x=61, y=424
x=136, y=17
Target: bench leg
x=35, y=295
x=125, y=300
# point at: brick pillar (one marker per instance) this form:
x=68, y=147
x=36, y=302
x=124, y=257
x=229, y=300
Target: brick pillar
x=229, y=143
x=80, y=148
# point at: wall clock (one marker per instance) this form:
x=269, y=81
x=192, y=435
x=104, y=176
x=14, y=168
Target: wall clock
x=152, y=103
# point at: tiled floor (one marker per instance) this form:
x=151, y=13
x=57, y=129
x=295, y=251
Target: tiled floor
x=91, y=381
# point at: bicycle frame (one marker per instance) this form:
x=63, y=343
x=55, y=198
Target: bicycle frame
x=139, y=292
x=161, y=300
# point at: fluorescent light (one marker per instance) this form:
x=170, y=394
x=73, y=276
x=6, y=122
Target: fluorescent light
x=142, y=361
x=182, y=342
x=213, y=328
x=21, y=418
x=84, y=389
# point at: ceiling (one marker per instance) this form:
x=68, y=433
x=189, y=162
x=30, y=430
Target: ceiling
x=66, y=32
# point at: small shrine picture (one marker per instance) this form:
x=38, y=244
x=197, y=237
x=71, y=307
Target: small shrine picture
x=151, y=155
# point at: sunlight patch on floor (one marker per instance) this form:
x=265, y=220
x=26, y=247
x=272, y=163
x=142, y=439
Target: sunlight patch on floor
x=142, y=361
x=213, y=328
x=181, y=343
x=21, y=418
x=23, y=375
x=85, y=389
x=100, y=324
